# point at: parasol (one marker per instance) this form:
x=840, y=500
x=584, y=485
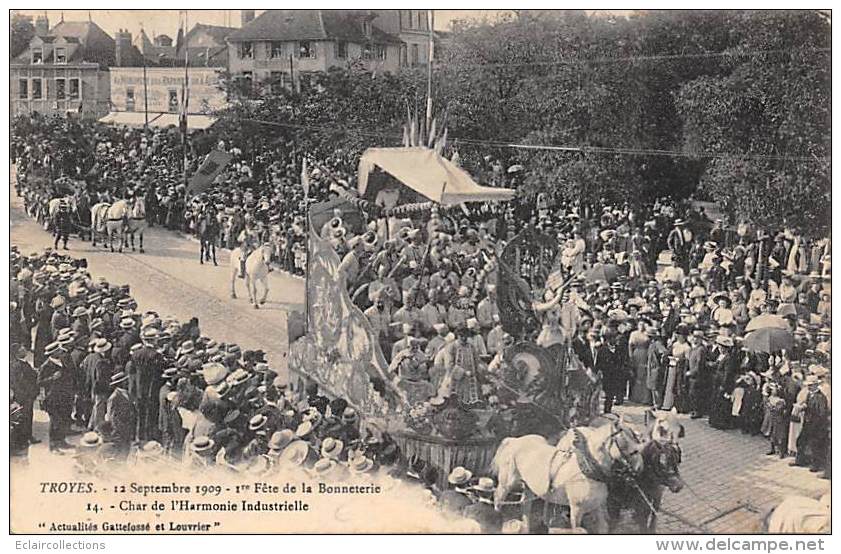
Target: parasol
x=769, y=339
x=763, y=321
x=602, y=272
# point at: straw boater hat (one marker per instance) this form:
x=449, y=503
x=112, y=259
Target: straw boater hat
x=296, y=453
x=281, y=439
x=485, y=484
x=80, y=311
x=213, y=373
x=258, y=422
x=304, y=429
x=151, y=449
x=101, y=346
x=119, y=378
x=91, y=439
x=57, y=302
x=202, y=445
x=361, y=464
x=331, y=448
x=459, y=476
x=325, y=467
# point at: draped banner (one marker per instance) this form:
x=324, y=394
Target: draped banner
x=212, y=166
x=340, y=351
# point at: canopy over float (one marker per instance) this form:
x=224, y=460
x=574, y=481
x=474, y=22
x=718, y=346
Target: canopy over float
x=428, y=173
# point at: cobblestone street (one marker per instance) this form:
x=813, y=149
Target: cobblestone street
x=733, y=480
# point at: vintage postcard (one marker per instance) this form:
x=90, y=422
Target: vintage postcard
x=313, y=271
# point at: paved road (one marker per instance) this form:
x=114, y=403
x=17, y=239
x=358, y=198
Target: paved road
x=736, y=483
x=169, y=279
x=734, y=480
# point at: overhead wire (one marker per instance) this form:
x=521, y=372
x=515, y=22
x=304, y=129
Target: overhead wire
x=551, y=147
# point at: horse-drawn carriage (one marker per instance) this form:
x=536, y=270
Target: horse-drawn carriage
x=538, y=429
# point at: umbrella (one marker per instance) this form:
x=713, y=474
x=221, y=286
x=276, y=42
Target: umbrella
x=602, y=272
x=767, y=320
x=769, y=339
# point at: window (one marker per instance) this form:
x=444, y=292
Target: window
x=423, y=24
x=275, y=49
x=366, y=28
x=37, y=92
x=306, y=49
x=173, y=101
x=246, y=50
x=404, y=55
x=415, y=54
x=379, y=51
x=60, y=55
x=37, y=55
x=74, y=89
x=341, y=49
x=130, y=100
x=60, y=90
x=411, y=19
x=23, y=88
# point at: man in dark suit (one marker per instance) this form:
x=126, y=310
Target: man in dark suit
x=698, y=375
x=147, y=373
x=57, y=380
x=608, y=363
x=582, y=344
x=23, y=380
x=122, y=415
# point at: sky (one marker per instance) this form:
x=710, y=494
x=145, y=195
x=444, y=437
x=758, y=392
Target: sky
x=167, y=21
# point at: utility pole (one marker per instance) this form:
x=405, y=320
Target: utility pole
x=145, y=95
x=431, y=23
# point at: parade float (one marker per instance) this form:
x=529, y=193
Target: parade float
x=535, y=390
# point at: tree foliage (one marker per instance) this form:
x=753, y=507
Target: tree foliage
x=21, y=31
x=731, y=101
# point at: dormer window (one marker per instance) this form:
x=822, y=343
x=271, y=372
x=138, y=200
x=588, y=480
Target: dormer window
x=60, y=55
x=37, y=55
x=366, y=28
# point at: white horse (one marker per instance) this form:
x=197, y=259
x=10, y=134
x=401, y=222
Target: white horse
x=116, y=222
x=557, y=473
x=256, y=270
x=99, y=216
x=136, y=222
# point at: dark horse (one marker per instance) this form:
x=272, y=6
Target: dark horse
x=208, y=229
x=660, y=469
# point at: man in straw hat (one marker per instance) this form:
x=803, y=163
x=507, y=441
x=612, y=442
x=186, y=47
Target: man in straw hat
x=23, y=380
x=57, y=379
x=98, y=368
x=147, y=366
x=121, y=413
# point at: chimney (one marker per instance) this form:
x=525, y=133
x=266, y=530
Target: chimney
x=123, y=46
x=246, y=17
x=42, y=26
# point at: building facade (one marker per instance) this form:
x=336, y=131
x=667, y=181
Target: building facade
x=64, y=69
x=286, y=46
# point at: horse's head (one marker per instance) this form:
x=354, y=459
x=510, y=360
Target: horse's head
x=138, y=208
x=662, y=461
x=664, y=427
x=622, y=446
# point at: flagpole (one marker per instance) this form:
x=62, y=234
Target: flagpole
x=430, y=53
x=185, y=99
x=306, y=185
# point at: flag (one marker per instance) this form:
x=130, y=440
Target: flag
x=210, y=168
x=305, y=178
